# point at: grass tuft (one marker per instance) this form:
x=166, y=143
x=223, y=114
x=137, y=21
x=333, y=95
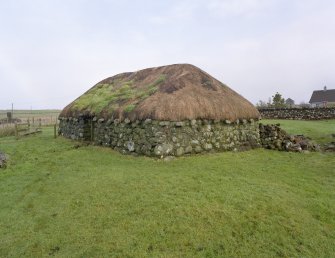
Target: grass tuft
x=7, y=130
x=129, y=108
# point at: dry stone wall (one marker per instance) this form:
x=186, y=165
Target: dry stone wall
x=274, y=138
x=298, y=113
x=164, y=138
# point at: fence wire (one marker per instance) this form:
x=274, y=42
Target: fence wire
x=42, y=117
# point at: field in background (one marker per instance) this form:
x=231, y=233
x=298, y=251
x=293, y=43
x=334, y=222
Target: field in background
x=47, y=117
x=68, y=200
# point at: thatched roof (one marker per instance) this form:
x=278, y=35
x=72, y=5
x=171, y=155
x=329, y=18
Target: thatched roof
x=174, y=92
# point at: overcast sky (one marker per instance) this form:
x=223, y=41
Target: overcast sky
x=53, y=51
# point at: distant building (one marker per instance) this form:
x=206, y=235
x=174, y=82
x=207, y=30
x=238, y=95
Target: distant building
x=323, y=98
x=289, y=102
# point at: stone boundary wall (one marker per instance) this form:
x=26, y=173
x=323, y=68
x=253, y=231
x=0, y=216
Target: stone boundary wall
x=298, y=113
x=274, y=138
x=164, y=138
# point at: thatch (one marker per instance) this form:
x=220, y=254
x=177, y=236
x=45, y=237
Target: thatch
x=173, y=93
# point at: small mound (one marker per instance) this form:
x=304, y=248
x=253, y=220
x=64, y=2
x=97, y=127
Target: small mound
x=174, y=93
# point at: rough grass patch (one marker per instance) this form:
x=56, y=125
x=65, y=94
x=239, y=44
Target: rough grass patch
x=7, y=130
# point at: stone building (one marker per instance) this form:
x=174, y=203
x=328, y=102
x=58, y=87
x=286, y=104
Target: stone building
x=169, y=110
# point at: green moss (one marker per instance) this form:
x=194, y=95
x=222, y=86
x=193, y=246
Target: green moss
x=108, y=96
x=125, y=92
x=129, y=108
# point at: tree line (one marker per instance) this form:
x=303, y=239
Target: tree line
x=277, y=101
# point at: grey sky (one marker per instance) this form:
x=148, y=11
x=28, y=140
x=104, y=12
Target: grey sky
x=53, y=51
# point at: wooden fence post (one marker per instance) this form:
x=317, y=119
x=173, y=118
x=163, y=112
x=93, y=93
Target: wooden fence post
x=16, y=132
x=55, y=131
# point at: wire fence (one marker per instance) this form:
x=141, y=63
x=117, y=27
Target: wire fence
x=38, y=117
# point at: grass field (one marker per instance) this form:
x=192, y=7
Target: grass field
x=90, y=201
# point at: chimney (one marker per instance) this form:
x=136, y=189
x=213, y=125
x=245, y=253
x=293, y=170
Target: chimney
x=325, y=88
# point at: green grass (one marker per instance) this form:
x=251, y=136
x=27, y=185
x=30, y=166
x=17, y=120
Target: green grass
x=319, y=131
x=94, y=202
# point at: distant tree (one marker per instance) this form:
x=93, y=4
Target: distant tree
x=278, y=101
x=289, y=102
x=261, y=104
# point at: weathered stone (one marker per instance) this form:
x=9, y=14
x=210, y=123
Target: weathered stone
x=164, y=123
x=180, y=124
x=207, y=128
x=147, y=121
x=195, y=142
x=188, y=149
x=169, y=158
x=208, y=146
x=131, y=146
x=180, y=151
x=163, y=149
x=198, y=149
